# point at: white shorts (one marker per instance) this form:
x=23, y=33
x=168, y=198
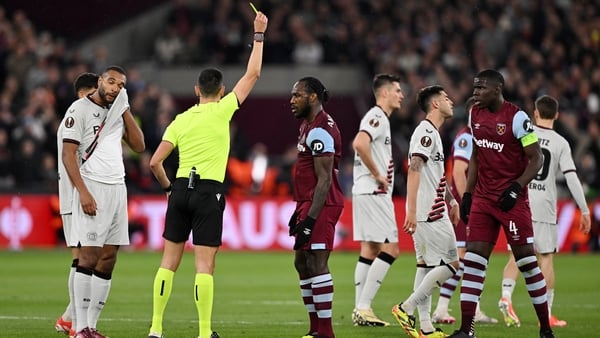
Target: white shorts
x=435, y=242
x=110, y=225
x=545, y=237
x=374, y=219
x=67, y=222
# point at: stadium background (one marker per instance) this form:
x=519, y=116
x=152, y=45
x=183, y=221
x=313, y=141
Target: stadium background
x=540, y=46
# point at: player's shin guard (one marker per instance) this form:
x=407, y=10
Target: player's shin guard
x=322, y=290
x=472, y=286
x=536, y=287
x=307, y=299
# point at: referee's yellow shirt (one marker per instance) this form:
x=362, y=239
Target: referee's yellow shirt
x=202, y=135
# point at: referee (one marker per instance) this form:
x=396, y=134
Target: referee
x=196, y=197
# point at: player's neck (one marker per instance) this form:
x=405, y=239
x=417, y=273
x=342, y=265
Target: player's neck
x=386, y=109
x=548, y=124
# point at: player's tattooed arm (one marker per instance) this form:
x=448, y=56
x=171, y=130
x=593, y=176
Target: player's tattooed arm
x=416, y=163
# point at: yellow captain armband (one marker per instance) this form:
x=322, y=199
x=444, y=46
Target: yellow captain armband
x=529, y=139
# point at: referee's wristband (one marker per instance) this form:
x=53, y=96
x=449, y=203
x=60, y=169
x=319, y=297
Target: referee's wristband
x=259, y=36
x=168, y=189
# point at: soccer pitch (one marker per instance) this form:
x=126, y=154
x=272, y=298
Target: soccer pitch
x=257, y=295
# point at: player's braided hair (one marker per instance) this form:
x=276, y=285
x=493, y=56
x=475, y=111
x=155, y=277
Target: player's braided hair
x=313, y=85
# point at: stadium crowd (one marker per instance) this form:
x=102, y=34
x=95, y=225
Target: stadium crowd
x=541, y=47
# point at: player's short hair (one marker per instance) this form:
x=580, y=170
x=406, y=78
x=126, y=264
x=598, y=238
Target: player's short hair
x=210, y=81
x=115, y=68
x=547, y=106
x=85, y=81
x=383, y=79
x=313, y=85
x=492, y=75
x=425, y=94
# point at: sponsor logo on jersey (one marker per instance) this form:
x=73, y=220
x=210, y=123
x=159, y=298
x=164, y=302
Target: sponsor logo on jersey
x=527, y=125
x=426, y=141
x=301, y=142
x=96, y=114
x=330, y=122
x=489, y=145
x=500, y=128
x=317, y=146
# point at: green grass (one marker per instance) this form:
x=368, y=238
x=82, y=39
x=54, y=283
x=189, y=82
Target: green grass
x=256, y=295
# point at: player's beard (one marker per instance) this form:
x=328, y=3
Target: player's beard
x=302, y=113
x=103, y=97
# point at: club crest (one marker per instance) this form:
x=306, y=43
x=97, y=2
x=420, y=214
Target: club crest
x=501, y=128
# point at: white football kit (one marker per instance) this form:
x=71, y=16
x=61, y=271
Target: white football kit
x=102, y=170
x=374, y=219
x=434, y=237
x=542, y=189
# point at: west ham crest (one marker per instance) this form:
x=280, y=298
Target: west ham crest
x=501, y=128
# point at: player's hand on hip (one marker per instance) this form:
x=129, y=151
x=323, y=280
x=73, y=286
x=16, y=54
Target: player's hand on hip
x=508, y=199
x=303, y=231
x=465, y=207
x=293, y=223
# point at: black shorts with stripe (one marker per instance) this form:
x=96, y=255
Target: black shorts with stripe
x=198, y=210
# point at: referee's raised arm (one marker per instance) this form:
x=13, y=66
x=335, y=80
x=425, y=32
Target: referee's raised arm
x=246, y=83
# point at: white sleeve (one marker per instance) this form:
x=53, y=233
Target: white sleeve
x=577, y=191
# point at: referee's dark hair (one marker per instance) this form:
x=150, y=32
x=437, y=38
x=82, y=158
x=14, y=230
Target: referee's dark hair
x=85, y=81
x=425, y=95
x=380, y=80
x=210, y=81
x=313, y=85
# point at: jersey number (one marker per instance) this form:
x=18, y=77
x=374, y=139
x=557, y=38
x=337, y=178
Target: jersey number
x=512, y=227
x=543, y=173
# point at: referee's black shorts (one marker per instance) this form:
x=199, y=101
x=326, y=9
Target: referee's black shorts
x=199, y=210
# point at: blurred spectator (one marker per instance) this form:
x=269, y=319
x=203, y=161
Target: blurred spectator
x=7, y=179
x=27, y=166
x=541, y=47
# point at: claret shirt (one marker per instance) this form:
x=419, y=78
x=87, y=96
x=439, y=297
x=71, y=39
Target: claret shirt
x=321, y=137
x=500, y=138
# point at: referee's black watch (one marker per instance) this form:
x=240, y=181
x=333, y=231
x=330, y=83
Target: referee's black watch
x=259, y=36
x=169, y=188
